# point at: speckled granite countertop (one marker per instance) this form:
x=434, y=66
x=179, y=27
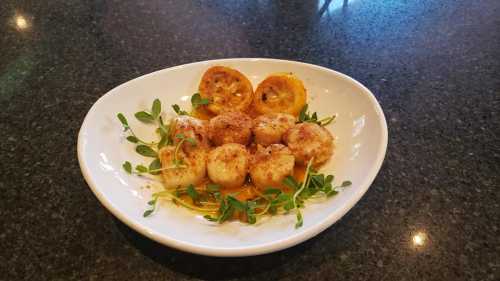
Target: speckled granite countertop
x=432, y=213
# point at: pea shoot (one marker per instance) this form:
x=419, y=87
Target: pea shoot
x=143, y=148
x=178, y=110
x=305, y=116
x=217, y=205
x=178, y=163
x=197, y=100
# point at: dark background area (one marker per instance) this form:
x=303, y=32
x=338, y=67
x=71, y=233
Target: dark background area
x=434, y=66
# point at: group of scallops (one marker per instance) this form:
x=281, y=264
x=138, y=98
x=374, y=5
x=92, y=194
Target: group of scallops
x=232, y=145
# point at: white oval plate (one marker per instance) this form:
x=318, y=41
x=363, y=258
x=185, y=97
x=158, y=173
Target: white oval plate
x=361, y=141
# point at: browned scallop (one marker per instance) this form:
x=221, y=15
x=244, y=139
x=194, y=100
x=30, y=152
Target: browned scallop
x=190, y=127
x=227, y=165
x=308, y=140
x=231, y=127
x=270, y=165
x=269, y=128
x=191, y=170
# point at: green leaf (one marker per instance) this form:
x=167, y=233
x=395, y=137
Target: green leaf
x=127, y=167
x=329, y=178
x=177, y=162
x=289, y=205
x=251, y=218
x=147, y=213
x=299, y=220
x=191, y=141
x=270, y=191
x=146, y=151
x=331, y=193
x=180, y=136
x=132, y=139
x=123, y=120
x=156, y=108
x=141, y=168
x=178, y=110
x=327, y=120
x=346, y=183
x=210, y=218
x=197, y=100
x=164, y=129
x=250, y=211
x=152, y=202
x=218, y=196
x=314, y=117
x=251, y=204
x=283, y=197
x=163, y=142
x=226, y=211
x=192, y=192
x=227, y=214
x=317, y=181
x=291, y=182
x=165, y=134
x=235, y=203
x=327, y=188
x=212, y=187
x=303, y=114
x=143, y=116
x=155, y=165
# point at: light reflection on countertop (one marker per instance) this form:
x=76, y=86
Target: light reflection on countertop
x=21, y=22
x=419, y=239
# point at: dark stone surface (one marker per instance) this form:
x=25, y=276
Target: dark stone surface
x=433, y=65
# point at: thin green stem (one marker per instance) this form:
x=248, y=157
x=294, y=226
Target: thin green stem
x=327, y=120
x=184, y=203
x=140, y=140
x=304, y=184
x=176, y=163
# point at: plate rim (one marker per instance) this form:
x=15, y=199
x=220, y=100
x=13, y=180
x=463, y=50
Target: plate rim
x=247, y=250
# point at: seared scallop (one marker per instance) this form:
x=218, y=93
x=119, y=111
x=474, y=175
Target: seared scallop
x=308, y=140
x=269, y=128
x=190, y=127
x=183, y=168
x=231, y=127
x=228, y=165
x=270, y=165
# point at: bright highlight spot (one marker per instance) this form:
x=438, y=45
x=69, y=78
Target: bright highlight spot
x=419, y=239
x=21, y=22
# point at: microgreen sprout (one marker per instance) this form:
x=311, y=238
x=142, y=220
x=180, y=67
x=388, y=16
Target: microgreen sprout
x=154, y=168
x=133, y=137
x=197, y=100
x=152, y=208
x=181, y=139
x=305, y=116
x=151, y=116
x=178, y=110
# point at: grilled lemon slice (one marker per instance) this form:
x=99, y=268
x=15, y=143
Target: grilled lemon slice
x=280, y=93
x=226, y=89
